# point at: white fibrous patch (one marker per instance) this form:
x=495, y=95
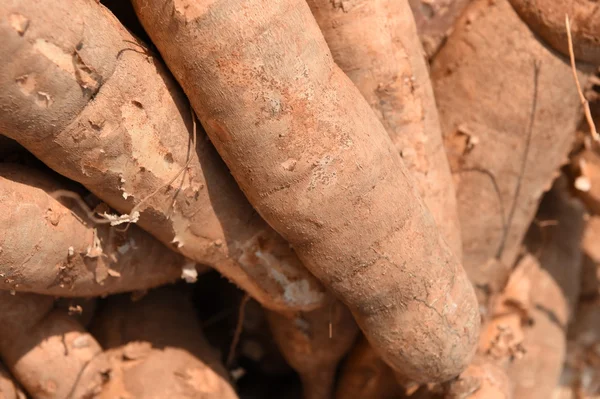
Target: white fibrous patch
x=116, y=220
x=189, y=272
x=300, y=292
x=296, y=292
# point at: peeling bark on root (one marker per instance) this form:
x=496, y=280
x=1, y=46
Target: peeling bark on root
x=94, y=104
x=47, y=248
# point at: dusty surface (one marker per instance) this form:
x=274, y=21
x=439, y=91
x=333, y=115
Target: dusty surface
x=89, y=100
x=376, y=44
x=46, y=248
x=503, y=152
x=270, y=97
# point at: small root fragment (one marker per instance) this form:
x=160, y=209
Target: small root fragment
x=584, y=101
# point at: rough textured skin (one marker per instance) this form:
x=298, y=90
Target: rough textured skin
x=376, y=44
x=155, y=349
x=435, y=20
x=305, y=343
x=365, y=375
x=315, y=162
x=87, y=98
x=547, y=19
x=484, y=81
x=48, y=249
x=8, y=387
x=45, y=349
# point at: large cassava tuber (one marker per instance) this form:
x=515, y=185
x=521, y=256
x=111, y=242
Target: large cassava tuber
x=49, y=248
x=89, y=100
x=154, y=349
x=44, y=348
x=315, y=162
x=509, y=109
x=313, y=344
x=376, y=44
x=547, y=19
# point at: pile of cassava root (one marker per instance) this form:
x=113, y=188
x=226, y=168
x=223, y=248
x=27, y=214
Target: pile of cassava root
x=305, y=199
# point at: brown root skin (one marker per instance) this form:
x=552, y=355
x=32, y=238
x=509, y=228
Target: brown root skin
x=547, y=19
x=48, y=249
x=155, y=350
x=305, y=341
x=334, y=187
x=376, y=44
x=45, y=349
x=129, y=135
x=488, y=66
x=435, y=20
x=9, y=389
x=365, y=375
x=481, y=380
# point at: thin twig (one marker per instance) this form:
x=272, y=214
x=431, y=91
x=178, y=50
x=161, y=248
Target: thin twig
x=513, y=208
x=584, y=101
x=238, y=330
